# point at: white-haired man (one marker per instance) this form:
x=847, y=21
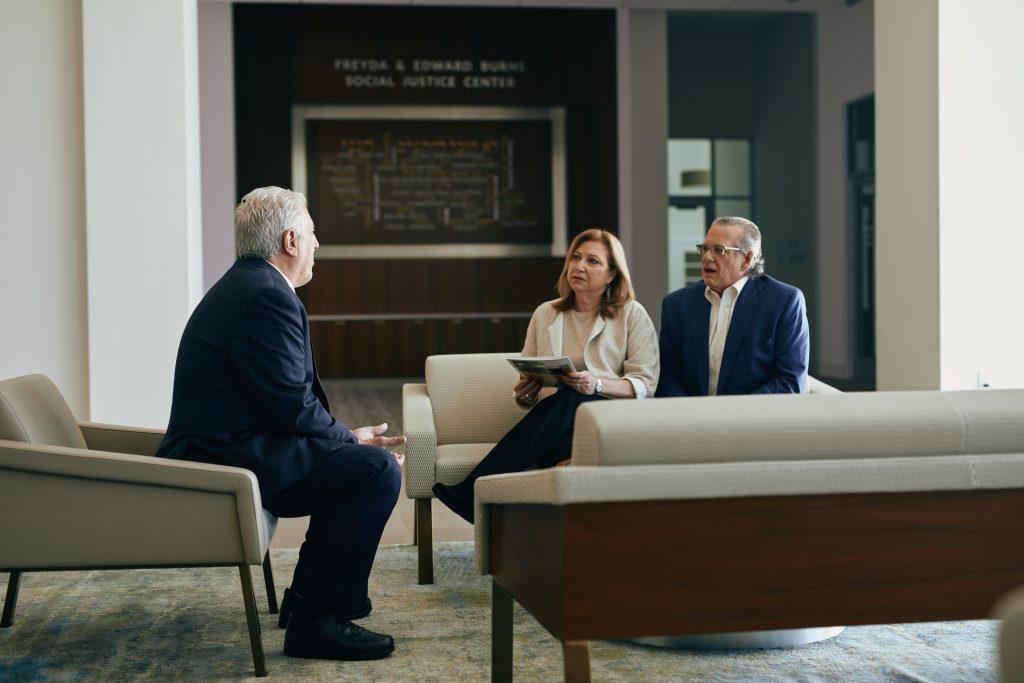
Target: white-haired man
x=246, y=394
x=738, y=331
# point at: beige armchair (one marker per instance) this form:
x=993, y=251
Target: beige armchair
x=451, y=423
x=1010, y=609
x=117, y=506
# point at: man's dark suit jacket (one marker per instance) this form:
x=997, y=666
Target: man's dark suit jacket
x=246, y=392
x=766, y=350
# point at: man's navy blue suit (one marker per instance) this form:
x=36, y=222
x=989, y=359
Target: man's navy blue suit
x=766, y=350
x=246, y=394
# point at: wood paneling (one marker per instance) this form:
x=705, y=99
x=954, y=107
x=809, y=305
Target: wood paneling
x=743, y=564
x=398, y=348
x=527, y=553
x=284, y=55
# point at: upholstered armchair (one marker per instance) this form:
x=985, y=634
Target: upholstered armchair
x=452, y=421
x=1010, y=609
x=91, y=496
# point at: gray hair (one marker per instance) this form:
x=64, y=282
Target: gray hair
x=263, y=216
x=750, y=242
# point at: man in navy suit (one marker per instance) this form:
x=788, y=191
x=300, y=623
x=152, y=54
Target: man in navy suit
x=246, y=394
x=738, y=331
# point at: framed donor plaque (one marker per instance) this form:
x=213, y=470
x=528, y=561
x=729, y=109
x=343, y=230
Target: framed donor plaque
x=432, y=181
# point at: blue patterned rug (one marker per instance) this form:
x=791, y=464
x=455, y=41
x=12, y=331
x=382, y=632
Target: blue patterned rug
x=190, y=624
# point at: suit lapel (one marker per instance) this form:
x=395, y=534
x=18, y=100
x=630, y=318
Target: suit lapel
x=699, y=324
x=555, y=334
x=746, y=308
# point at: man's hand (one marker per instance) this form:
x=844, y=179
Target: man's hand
x=526, y=389
x=583, y=382
x=371, y=436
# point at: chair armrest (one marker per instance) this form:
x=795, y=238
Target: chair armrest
x=421, y=441
x=118, y=439
x=138, y=478
x=816, y=386
x=1011, y=635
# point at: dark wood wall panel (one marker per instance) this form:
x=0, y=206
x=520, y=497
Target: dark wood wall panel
x=369, y=348
x=284, y=55
x=410, y=286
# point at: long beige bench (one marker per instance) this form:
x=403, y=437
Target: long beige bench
x=698, y=515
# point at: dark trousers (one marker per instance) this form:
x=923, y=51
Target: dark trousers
x=543, y=438
x=349, y=497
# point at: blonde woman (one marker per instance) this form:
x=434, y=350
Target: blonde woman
x=599, y=324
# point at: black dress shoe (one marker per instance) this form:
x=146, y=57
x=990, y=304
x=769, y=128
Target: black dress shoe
x=333, y=637
x=455, y=502
x=291, y=599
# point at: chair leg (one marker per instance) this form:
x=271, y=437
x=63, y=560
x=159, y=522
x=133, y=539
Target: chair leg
x=501, y=634
x=268, y=579
x=415, y=521
x=11, y=602
x=576, y=654
x=424, y=541
x=253, y=618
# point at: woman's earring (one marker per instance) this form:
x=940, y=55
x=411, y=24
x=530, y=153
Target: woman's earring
x=608, y=291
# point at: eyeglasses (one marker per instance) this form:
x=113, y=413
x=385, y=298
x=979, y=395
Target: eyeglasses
x=717, y=249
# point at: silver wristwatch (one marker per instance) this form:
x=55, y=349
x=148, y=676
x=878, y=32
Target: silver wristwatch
x=600, y=387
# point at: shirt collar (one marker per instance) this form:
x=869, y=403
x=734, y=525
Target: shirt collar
x=286, y=277
x=711, y=294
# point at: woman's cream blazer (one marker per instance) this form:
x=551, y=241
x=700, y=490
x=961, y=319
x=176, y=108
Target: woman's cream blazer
x=623, y=347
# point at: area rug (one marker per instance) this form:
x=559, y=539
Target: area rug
x=190, y=624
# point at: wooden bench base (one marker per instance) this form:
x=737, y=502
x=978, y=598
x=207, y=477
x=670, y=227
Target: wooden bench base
x=653, y=568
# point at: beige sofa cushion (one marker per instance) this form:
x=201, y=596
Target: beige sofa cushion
x=578, y=485
x=455, y=461
x=471, y=396
x=33, y=411
x=799, y=427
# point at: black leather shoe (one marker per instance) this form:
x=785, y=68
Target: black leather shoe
x=291, y=599
x=333, y=637
x=451, y=498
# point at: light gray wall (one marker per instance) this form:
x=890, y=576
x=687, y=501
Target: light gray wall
x=907, y=293
x=643, y=159
x=784, y=159
x=846, y=63
x=217, y=137
x=42, y=196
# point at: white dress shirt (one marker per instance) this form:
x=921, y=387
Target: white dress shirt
x=721, y=316
x=282, y=275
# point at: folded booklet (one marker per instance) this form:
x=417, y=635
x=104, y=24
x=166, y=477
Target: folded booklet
x=545, y=366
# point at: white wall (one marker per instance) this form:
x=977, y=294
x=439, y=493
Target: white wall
x=143, y=200
x=845, y=55
x=217, y=137
x=42, y=204
x=950, y=81
x=981, y=183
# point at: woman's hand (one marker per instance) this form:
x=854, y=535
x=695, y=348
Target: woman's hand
x=526, y=389
x=583, y=382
